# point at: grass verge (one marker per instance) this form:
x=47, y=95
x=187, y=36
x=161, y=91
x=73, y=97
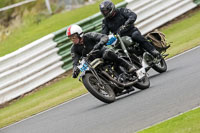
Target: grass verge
x=185, y=123
x=184, y=34
x=65, y=89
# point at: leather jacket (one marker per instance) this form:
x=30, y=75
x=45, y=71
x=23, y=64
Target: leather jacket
x=89, y=41
x=123, y=16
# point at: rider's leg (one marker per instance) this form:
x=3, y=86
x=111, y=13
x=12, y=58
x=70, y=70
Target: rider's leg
x=110, y=55
x=138, y=37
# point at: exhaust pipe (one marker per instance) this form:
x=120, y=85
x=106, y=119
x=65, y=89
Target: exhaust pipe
x=121, y=84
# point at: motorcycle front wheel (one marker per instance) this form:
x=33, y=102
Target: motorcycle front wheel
x=102, y=92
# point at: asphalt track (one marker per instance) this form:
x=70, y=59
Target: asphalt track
x=170, y=94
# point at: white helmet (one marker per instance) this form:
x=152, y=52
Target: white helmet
x=74, y=29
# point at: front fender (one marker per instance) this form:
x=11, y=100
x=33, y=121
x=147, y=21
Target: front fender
x=82, y=75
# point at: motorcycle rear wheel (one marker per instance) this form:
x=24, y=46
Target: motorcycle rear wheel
x=104, y=93
x=161, y=66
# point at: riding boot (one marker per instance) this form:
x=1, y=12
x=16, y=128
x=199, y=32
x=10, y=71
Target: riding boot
x=144, y=43
x=155, y=53
x=152, y=50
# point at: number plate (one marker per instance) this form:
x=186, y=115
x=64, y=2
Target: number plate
x=140, y=73
x=83, y=66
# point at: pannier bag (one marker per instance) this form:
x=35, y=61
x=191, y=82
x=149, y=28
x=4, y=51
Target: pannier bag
x=157, y=38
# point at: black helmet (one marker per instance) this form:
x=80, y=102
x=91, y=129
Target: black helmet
x=107, y=8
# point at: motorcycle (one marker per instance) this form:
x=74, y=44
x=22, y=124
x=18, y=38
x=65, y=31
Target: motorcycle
x=104, y=82
x=139, y=56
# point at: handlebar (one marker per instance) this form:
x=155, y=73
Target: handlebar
x=92, y=52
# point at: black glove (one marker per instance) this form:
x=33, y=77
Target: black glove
x=120, y=30
x=76, y=71
x=98, y=46
x=123, y=29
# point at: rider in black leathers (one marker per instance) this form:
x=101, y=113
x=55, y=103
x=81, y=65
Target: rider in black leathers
x=121, y=21
x=84, y=43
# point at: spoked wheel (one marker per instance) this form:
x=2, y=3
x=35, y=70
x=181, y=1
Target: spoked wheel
x=161, y=66
x=143, y=84
x=102, y=92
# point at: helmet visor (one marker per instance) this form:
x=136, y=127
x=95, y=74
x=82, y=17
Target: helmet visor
x=105, y=12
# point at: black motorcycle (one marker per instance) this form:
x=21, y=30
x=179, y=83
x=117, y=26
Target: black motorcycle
x=138, y=56
x=105, y=81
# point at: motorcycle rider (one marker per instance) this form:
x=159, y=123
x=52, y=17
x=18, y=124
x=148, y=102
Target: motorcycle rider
x=84, y=43
x=121, y=21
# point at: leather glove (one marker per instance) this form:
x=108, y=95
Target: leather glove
x=98, y=46
x=76, y=71
x=122, y=29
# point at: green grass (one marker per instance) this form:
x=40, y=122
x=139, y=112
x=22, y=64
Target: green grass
x=184, y=34
x=32, y=30
x=185, y=123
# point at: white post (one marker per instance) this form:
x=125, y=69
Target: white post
x=48, y=6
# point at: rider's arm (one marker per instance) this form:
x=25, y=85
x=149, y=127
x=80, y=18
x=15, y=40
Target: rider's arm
x=75, y=56
x=101, y=39
x=131, y=16
x=98, y=37
x=105, y=29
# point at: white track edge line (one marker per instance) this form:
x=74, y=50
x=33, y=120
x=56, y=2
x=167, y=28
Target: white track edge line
x=189, y=50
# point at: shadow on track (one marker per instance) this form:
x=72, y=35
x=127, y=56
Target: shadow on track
x=100, y=104
x=163, y=74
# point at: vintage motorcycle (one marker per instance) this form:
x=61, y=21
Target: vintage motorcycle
x=103, y=81
x=138, y=56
